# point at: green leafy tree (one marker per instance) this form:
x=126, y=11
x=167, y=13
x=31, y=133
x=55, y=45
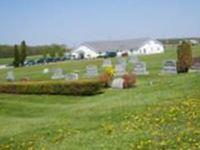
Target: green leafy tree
x=45, y=53
x=184, y=56
x=16, y=61
x=23, y=53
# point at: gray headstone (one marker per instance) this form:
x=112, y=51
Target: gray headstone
x=120, y=70
x=133, y=59
x=118, y=83
x=122, y=61
x=10, y=76
x=169, y=67
x=72, y=76
x=57, y=74
x=92, y=71
x=140, y=68
x=107, y=63
x=195, y=67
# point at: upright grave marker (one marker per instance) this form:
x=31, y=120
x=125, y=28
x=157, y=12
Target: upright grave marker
x=72, y=76
x=10, y=76
x=140, y=68
x=133, y=59
x=169, y=67
x=107, y=63
x=120, y=70
x=57, y=74
x=121, y=61
x=92, y=71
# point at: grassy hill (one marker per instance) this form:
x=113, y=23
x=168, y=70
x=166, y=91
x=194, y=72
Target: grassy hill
x=162, y=115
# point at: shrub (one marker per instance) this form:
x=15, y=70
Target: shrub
x=184, y=54
x=129, y=80
x=53, y=87
x=105, y=79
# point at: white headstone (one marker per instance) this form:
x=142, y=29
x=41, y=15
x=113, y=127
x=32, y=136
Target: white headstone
x=107, y=63
x=92, y=71
x=45, y=71
x=169, y=66
x=72, y=76
x=140, y=68
x=118, y=83
x=58, y=74
x=120, y=70
x=10, y=76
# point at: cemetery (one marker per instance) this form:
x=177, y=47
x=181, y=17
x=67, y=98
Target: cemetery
x=65, y=104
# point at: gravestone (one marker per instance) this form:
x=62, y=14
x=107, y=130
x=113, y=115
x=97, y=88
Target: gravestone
x=121, y=61
x=133, y=59
x=92, y=71
x=120, y=70
x=169, y=67
x=118, y=83
x=10, y=76
x=107, y=63
x=45, y=71
x=195, y=65
x=57, y=74
x=140, y=68
x=72, y=76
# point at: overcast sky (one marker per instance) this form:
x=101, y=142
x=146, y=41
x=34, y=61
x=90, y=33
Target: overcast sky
x=74, y=21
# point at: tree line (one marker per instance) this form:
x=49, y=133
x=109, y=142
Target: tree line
x=7, y=51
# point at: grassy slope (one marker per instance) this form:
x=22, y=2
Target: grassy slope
x=163, y=115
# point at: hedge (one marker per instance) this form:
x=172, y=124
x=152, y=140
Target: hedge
x=85, y=87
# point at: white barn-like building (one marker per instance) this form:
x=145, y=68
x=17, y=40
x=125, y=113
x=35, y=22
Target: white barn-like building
x=145, y=46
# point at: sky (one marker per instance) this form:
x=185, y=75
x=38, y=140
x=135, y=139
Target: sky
x=72, y=22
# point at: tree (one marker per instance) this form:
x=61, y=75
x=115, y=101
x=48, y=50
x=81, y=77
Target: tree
x=23, y=54
x=16, y=61
x=184, y=56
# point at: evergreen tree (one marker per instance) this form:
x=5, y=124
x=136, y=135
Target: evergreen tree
x=23, y=54
x=184, y=54
x=16, y=61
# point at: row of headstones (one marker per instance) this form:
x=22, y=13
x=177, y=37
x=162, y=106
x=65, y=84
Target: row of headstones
x=140, y=68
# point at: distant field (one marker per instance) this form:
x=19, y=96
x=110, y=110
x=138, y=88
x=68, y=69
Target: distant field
x=162, y=115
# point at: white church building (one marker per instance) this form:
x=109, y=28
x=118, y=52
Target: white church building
x=145, y=46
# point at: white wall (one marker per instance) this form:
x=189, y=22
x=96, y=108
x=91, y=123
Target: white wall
x=88, y=53
x=151, y=47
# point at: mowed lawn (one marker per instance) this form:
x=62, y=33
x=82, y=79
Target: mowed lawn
x=162, y=112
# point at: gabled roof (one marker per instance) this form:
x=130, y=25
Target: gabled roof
x=101, y=46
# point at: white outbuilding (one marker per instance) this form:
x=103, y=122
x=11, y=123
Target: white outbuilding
x=144, y=46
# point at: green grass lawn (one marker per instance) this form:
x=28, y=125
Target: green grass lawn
x=162, y=115
x=6, y=61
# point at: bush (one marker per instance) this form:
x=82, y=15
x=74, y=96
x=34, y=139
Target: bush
x=53, y=87
x=129, y=80
x=184, y=54
x=105, y=79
